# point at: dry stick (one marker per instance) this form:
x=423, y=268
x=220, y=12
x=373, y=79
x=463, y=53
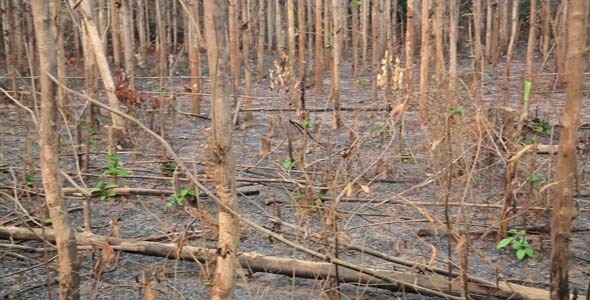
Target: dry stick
x=247, y=221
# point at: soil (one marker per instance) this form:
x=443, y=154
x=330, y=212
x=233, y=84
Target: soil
x=394, y=206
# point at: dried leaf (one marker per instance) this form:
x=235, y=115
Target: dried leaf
x=365, y=189
x=107, y=253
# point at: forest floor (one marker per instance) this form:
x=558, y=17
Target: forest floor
x=395, y=207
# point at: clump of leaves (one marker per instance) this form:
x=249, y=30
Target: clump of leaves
x=363, y=81
x=306, y=123
x=114, y=165
x=539, y=126
x=536, y=178
x=105, y=190
x=29, y=180
x=289, y=163
x=519, y=243
x=457, y=111
x=178, y=199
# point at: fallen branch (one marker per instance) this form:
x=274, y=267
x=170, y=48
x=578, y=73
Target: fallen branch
x=255, y=262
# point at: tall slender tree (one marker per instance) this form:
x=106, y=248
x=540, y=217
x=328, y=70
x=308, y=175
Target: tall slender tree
x=563, y=209
x=68, y=260
x=216, y=33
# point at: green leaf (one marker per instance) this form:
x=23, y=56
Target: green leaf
x=529, y=252
x=180, y=201
x=516, y=244
x=210, y=283
x=306, y=123
x=457, y=111
x=527, y=93
x=520, y=254
x=288, y=163
x=505, y=242
x=169, y=204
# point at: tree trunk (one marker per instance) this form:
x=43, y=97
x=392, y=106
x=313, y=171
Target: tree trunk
x=453, y=30
x=127, y=41
x=530, y=54
x=338, y=31
x=195, y=58
x=563, y=209
x=217, y=54
x=68, y=260
x=301, y=34
x=234, y=45
x=115, y=32
x=425, y=62
x=410, y=39
x=319, y=49
x=261, y=29
x=143, y=45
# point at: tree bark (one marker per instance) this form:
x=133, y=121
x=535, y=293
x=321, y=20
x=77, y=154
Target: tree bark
x=115, y=32
x=563, y=209
x=218, y=54
x=319, y=49
x=68, y=260
x=127, y=41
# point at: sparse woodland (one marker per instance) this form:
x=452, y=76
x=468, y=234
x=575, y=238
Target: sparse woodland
x=294, y=149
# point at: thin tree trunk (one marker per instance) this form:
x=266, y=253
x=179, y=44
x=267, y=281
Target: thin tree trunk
x=563, y=209
x=291, y=36
x=261, y=29
x=478, y=59
x=546, y=27
x=279, y=27
x=494, y=56
x=530, y=56
x=301, y=34
x=438, y=26
x=62, y=100
x=68, y=260
x=338, y=31
x=247, y=43
x=115, y=31
x=489, y=26
x=504, y=24
x=217, y=54
x=127, y=41
x=355, y=40
x=143, y=44
x=234, y=45
x=454, y=24
x=195, y=58
x=410, y=39
x=425, y=62
x=319, y=49
x=365, y=32
x=163, y=41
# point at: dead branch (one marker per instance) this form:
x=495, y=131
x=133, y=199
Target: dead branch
x=255, y=262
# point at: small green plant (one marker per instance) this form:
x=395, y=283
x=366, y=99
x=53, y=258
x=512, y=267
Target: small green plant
x=306, y=123
x=210, y=283
x=379, y=130
x=539, y=126
x=289, y=163
x=105, y=190
x=29, y=180
x=362, y=81
x=536, y=178
x=457, y=111
x=180, y=197
x=114, y=165
x=519, y=243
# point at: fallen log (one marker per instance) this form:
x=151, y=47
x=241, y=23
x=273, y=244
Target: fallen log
x=255, y=262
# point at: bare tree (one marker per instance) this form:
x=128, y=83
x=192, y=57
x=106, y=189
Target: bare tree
x=563, y=209
x=127, y=41
x=115, y=31
x=221, y=147
x=68, y=260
